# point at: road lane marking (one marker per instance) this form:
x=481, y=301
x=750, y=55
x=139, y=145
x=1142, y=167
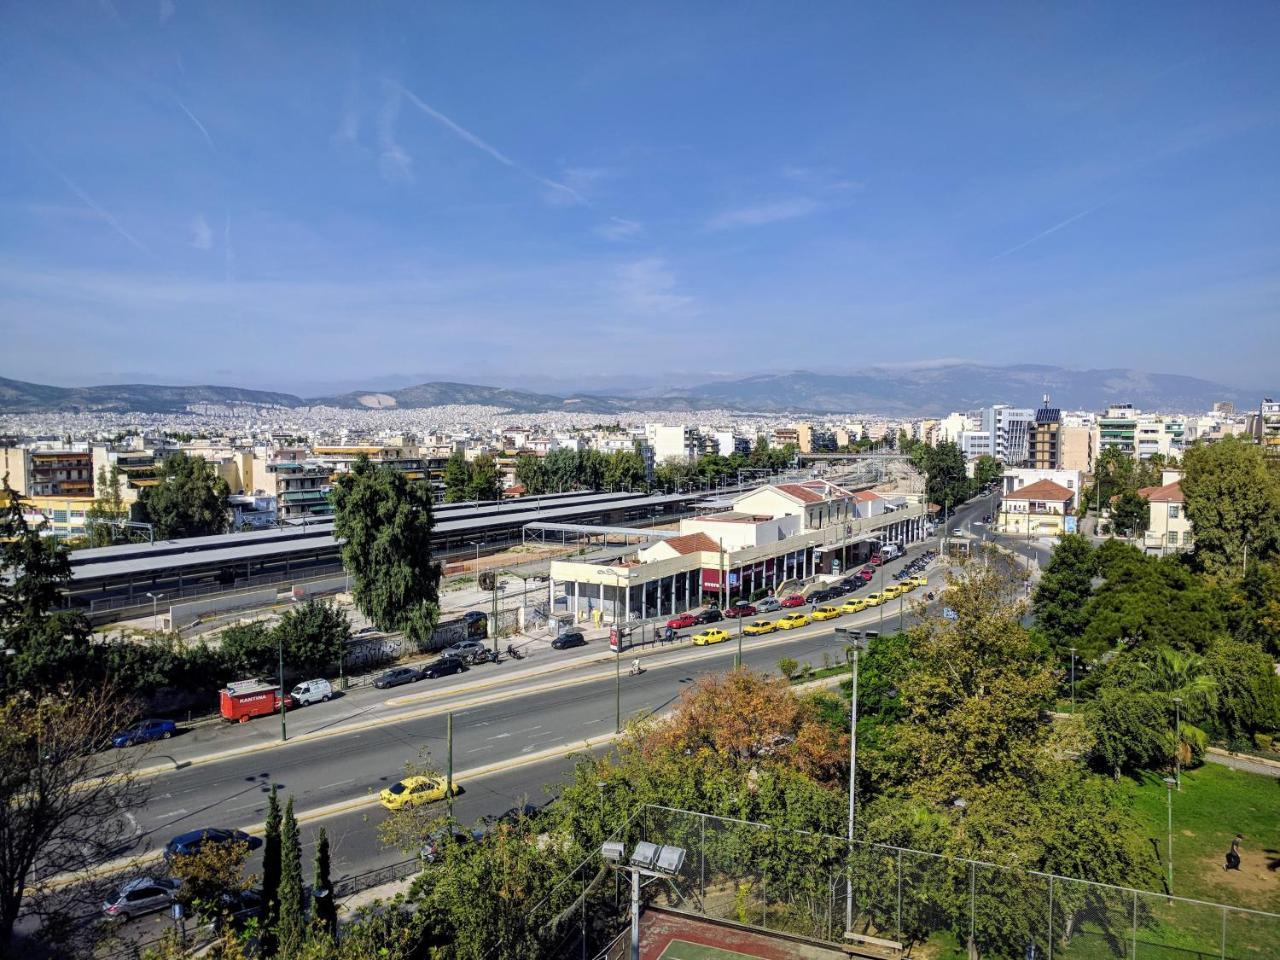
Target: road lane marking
x=338, y=784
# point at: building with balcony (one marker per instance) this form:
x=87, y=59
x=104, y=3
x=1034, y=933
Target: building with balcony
x=674, y=443
x=43, y=472
x=1168, y=528
x=1009, y=429
x=301, y=489
x=1040, y=509
x=1268, y=427
x=1117, y=429
x=1044, y=449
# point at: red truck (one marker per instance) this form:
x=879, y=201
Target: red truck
x=245, y=699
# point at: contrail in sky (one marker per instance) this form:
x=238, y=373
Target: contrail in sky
x=1044, y=233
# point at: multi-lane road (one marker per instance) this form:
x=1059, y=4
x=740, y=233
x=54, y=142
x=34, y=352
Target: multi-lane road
x=515, y=726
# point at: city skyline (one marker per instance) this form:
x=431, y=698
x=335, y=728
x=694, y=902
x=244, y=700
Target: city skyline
x=196, y=193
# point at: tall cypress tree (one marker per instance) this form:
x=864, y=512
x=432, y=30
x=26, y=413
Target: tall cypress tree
x=271, y=875
x=325, y=910
x=291, y=928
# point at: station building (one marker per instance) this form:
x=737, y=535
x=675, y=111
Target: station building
x=771, y=536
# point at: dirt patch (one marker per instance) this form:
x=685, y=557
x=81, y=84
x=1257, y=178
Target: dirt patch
x=1253, y=885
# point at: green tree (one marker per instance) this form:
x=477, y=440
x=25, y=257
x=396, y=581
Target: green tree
x=1064, y=590
x=249, y=649
x=210, y=874
x=531, y=473
x=1130, y=730
x=987, y=469
x=562, y=471
x=190, y=499
x=386, y=522
x=1129, y=514
x=483, y=482
x=314, y=636
x=944, y=468
x=271, y=861
x=456, y=478
x=1233, y=502
x=108, y=508
x=324, y=909
x=625, y=468
x=1247, y=691
x=51, y=644
x=291, y=929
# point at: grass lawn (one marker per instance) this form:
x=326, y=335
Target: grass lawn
x=683, y=950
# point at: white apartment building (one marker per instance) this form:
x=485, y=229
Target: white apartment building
x=975, y=443
x=673, y=443
x=1008, y=428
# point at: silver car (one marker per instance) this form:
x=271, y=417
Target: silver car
x=767, y=605
x=141, y=895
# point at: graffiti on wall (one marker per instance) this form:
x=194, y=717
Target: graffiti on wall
x=364, y=653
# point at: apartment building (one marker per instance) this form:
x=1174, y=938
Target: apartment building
x=1077, y=446
x=1044, y=440
x=975, y=443
x=1168, y=527
x=673, y=443
x=1117, y=429
x=300, y=488
x=727, y=443
x=48, y=471
x=1009, y=429
x=1268, y=429
x=1015, y=478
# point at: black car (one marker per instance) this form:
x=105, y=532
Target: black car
x=526, y=811
x=708, y=616
x=821, y=596
x=433, y=849
x=186, y=844
x=474, y=616
x=570, y=638
x=443, y=668
x=237, y=909
x=394, y=678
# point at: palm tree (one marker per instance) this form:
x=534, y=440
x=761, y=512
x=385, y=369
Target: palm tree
x=1183, y=676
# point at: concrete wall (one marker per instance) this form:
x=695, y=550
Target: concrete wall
x=185, y=614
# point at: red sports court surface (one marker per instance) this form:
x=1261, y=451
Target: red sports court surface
x=674, y=936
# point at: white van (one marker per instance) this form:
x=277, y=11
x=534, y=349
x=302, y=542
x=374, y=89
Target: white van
x=890, y=551
x=311, y=691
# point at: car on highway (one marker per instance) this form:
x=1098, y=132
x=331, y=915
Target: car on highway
x=710, y=615
x=794, y=600
x=768, y=605
x=443, y=667
x=682, y=621
x=144, y=731
x=740, y=610
x=710, y=635
x=414, y=791
x=141, y=895
x=853, y=606
x=792, y=620
x=568, y=640
x=193, y=841
x=875, y=599
x=469, y=651
x=826, y=613
x=757, y=628
x=396, y=676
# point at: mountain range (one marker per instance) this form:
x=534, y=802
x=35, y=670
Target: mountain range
x=924, y=390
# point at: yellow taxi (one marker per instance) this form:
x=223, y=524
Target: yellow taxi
x=710, y=635
x=919, y=581
x=792, y=620
x=853, y=606
x=875, y=599
x=826, y=613
x=759, y=627
x=894, y=590
x=412, y=791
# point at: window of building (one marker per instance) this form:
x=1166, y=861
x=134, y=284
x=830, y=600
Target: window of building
x=1173, y=538
x=1173, y=511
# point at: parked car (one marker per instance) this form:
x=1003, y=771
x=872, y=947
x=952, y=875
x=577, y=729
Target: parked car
x=920, y=581
x=433, y=849
x=141, y=895
x=397, y=676
x=710, y=615
x=768, y=605
x=469, y=651
x=740, y=610
x=185, y=844
x=711, y=635
x=311, y=691
x=876, y=559
x=682, y=621
x=568, y=640
x=759, y=627
x=866, y=575
x=795, y=600
x=237, y=908
x=853, y=606
x=792, y=620
x=144, y=732
x=826, y=613
x=414, y=791
x=875, y=599
x=443, y=667
x=526, y=811
x=475, y=616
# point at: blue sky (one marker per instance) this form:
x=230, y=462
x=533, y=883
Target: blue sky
x=306, y=195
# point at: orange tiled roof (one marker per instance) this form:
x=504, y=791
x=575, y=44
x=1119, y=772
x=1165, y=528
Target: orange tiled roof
x=1169, y=493
x=692, y=543
x=1041, y=490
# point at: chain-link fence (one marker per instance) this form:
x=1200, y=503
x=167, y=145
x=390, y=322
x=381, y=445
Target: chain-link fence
x=811, y=885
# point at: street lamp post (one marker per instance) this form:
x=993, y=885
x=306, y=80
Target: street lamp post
x=154, y=622
x=1177, y=742
x=284, y=699
x=853, y=785
x=1169, y=784
x=1073, y=680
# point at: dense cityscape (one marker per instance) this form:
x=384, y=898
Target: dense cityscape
x=639, y=482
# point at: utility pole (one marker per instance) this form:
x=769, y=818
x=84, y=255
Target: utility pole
x=1169, y=784
x=853, y=786
x=1177, y=748
x=448, y=770
x=284, y=698
x=617, y=690
x=1073, y=680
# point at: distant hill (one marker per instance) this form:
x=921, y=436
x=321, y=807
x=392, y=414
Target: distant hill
x=18, y=396
x=925, y=390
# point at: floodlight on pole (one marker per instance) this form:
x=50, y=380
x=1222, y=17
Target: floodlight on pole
x=649, y=860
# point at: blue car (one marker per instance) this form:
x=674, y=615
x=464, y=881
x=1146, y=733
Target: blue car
x=144, y=732
x=191, y=842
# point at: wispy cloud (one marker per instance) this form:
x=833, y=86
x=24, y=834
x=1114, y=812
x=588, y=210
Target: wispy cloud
x=196, y=120
x=558, y=192
x=102, y=212
x=201, y=235
x=648, y=286
x=166, y=10
x=1044, y=233
x=228, y=251
x=617, y=229
x=394, y=163
x=763, y=213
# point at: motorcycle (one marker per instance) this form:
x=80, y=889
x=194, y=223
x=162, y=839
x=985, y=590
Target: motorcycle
x=513, y=653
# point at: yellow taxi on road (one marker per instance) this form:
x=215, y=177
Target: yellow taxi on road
x=759, y=627
x=894, y=590
x=710, y=635
x=875, y=599
x=853, y=606
x=826, y=613
x=919, y=581
x=413, y=791
x=792, y=620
